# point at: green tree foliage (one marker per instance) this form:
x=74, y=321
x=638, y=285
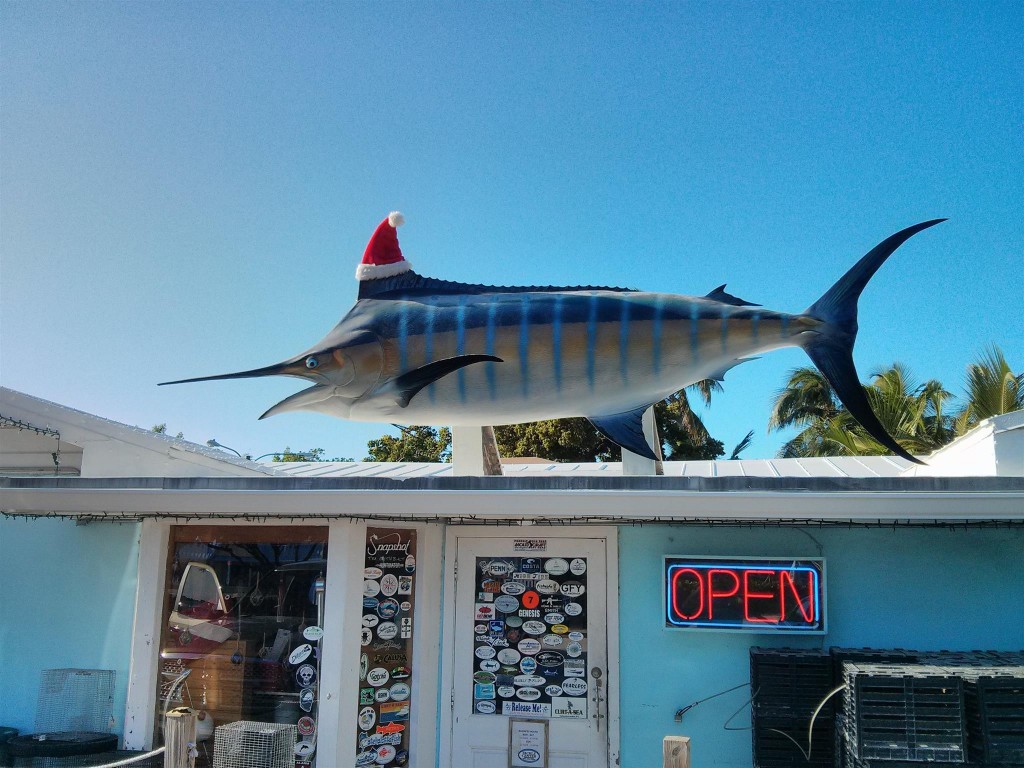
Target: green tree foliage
x=683, y=436
x=682, y=433
x=161, y=429
x=313, y=454
x=414, y=444
x=918, y=416
x=992, y=389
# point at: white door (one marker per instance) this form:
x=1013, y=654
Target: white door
x=530, y=643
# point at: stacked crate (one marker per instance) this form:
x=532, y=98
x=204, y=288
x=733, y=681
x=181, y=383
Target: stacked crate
x=788, y=685
x=995, y=715
x=903, y=713
x=841, y=656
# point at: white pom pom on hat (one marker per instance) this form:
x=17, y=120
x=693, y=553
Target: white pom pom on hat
x=383, y=256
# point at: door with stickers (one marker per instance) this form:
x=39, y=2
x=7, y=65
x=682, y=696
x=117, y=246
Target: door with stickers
x=530, y=643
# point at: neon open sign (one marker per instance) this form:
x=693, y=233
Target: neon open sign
x=753, y=594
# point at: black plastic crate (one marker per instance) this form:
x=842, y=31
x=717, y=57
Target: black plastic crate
x=850, y=760
x=772, y=748
x=841, y=656
x=904, y=712
x=995, y=716
x=789, y=682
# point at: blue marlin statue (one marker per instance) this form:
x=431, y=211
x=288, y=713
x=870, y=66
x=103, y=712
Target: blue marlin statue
x=417, y=350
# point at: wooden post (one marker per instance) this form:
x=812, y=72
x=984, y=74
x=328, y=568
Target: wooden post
x=474, y=452
x=180, y=738
x=675, y=752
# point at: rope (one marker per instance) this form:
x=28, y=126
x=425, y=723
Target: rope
x=135, y=759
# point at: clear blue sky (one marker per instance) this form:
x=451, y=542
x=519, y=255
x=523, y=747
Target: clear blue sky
x=186, y=188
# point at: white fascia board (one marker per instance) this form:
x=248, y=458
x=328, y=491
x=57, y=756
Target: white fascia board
x=496, y=505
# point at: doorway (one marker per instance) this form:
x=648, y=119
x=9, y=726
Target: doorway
x=531, y=634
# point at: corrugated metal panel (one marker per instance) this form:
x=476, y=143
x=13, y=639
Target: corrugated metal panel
x=838, y=466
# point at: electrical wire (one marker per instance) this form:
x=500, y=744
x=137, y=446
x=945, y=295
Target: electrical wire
x=684, y=710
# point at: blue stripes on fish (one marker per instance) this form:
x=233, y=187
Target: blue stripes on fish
x=725, y=328
x=492, y=308
x=428, y=343
x=694, y=332
x=755, y=325
x=460, y=344
x=556, y=342
x=524, y=344
x=403, y=336
x=591, y=337
x=624, y=342
x=659, y=308
x=784, y=325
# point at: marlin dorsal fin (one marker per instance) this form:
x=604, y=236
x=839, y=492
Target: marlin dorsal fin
x=719, y=294
x=411, y=284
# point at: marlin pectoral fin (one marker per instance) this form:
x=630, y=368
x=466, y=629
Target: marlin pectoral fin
x=411, y=382
x=626, y=430
x=719, y=294
x=719, y=375
x=300, y=400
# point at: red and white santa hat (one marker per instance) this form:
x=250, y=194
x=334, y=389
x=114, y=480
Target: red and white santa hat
x=383, y=257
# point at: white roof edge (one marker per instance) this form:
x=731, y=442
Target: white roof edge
x=67, y=420
x=990, y=427
x=483, y=505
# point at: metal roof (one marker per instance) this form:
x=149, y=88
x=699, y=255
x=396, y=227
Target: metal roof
x=838, y=467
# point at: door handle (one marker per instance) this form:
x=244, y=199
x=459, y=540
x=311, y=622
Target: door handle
x=597, y=698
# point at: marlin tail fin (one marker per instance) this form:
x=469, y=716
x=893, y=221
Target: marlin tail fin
x=831, y=349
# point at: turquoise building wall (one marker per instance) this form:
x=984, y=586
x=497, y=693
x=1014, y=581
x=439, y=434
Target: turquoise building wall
x=927, y=589
x=67, y=599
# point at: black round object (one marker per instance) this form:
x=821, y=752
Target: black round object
x=61, y=744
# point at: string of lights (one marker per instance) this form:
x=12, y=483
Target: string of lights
x=175, y=517
x=9, y=422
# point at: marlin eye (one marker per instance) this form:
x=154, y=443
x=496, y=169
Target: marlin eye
x=312, y=362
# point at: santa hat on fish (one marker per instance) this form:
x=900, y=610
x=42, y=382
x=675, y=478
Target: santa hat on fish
x=383, y=257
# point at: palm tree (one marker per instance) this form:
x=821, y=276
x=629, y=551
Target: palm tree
x=913, y=414
x=992, y=388
x=807, y=401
